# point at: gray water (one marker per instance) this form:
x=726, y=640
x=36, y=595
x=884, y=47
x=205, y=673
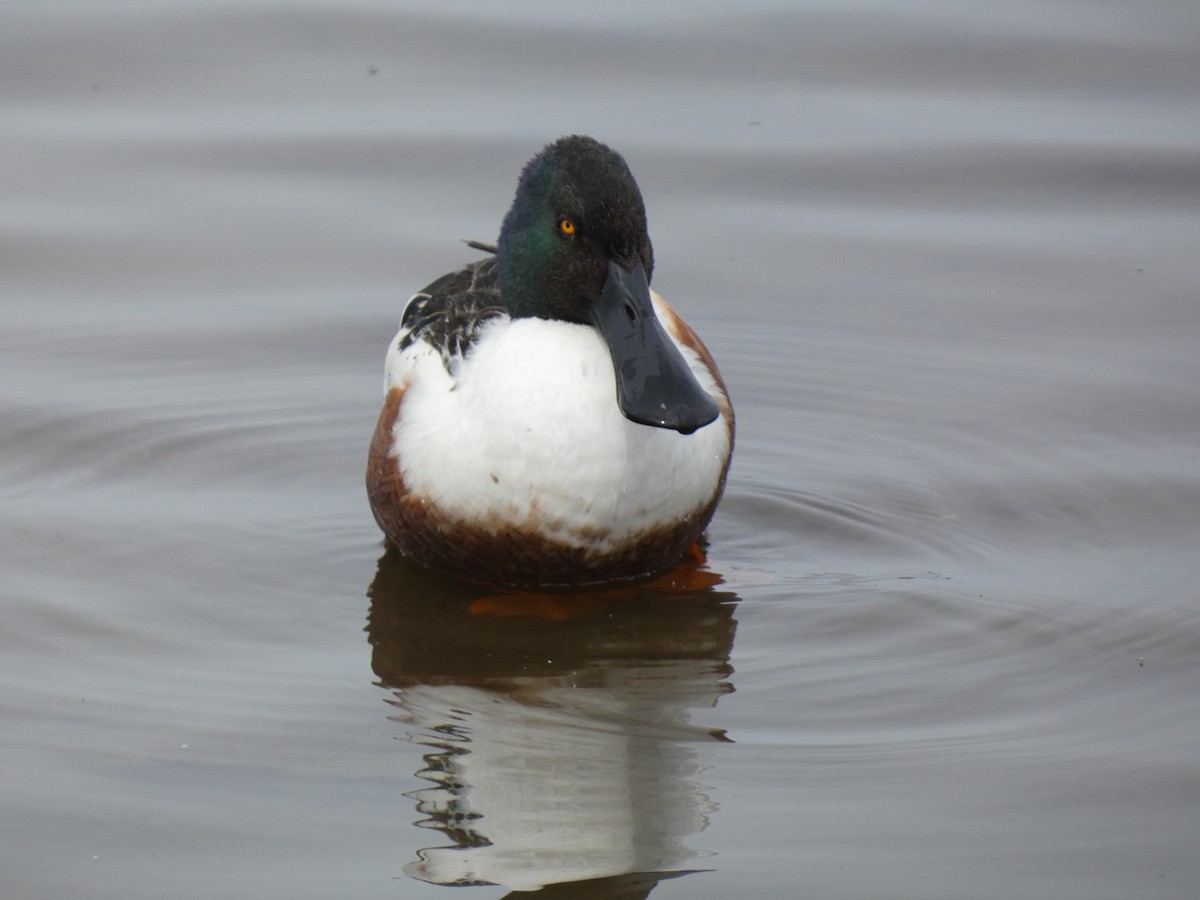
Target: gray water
x=946, y=643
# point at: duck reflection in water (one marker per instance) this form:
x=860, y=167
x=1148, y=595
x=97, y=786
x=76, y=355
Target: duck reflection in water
x=563, y=755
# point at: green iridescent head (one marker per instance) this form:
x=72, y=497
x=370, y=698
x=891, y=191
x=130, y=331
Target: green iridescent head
x=576, y=209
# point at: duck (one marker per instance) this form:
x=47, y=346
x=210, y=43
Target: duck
x=548, y=418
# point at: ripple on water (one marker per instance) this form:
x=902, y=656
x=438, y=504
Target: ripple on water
x=913, y=668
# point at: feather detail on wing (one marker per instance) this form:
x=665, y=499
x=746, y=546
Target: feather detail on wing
x=447, y=314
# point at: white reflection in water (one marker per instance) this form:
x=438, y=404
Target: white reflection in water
x=563, y=744
x=555, y=787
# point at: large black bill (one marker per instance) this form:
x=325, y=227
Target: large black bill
x=654, y=384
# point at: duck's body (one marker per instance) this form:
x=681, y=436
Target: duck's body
x=506, y=450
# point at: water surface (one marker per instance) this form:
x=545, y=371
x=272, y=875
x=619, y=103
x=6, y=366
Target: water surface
x=946, y=641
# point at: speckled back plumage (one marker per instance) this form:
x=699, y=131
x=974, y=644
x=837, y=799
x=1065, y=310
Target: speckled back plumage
x=447, y=313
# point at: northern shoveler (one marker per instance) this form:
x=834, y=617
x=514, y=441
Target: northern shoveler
x=549, y=419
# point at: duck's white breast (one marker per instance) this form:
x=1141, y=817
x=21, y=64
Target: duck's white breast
x=526, y=431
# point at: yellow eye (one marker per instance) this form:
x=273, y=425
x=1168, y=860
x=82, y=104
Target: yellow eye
x=566, y=226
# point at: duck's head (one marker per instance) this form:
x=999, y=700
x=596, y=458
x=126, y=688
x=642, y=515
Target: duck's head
x=574, y=246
